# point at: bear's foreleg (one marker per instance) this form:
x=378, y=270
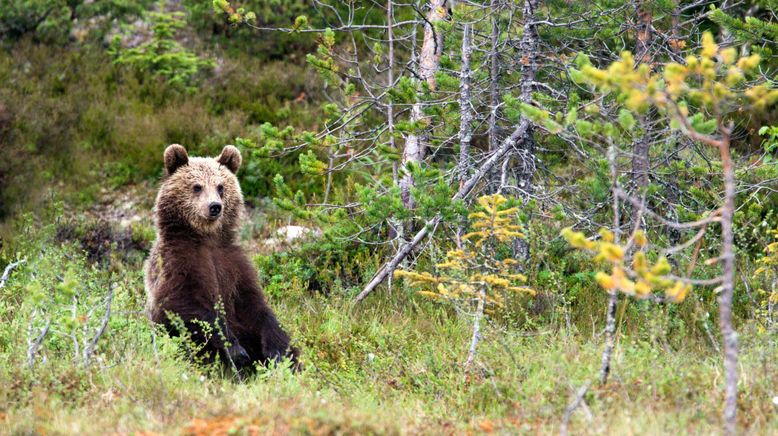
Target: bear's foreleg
x=210, y=330
x=263, y=336
x=275, y=341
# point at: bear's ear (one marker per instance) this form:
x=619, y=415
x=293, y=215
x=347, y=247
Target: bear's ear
x=230, y=158
x=175, y=157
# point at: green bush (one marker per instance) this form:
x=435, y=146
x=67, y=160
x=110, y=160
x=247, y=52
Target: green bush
x=53, y=21
x=163, y=56
x=73, y=121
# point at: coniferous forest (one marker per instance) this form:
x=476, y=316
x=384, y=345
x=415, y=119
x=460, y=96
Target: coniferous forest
x=511, y=217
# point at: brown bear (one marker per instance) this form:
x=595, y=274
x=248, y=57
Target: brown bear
x=196, y=263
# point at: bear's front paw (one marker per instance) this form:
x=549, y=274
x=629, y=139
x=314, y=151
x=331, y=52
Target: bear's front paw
x=278, y=355
x=239, y=356
x=274, y=356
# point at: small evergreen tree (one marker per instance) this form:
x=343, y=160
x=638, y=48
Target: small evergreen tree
x=163, y=56
x=475, y=278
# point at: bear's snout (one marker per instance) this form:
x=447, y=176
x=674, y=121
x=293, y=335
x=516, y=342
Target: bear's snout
x=214, y=210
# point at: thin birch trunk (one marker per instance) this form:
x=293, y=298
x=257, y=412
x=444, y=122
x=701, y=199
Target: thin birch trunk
x=89, y=348
x=465, y=112
x=526, y=156
x=771, y=306
x=396, y=227
x=641, y=146
x=34, y=343
x=465, y=119
x=429, y=63
x=613, y=297
x=494, y=75
x=671, y=186
x=390, y=82
x=728, y=286
x=479, y=314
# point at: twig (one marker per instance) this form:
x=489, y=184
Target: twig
x=688, y=225
x=32, y=350
x=89, y=349
x=577, y=401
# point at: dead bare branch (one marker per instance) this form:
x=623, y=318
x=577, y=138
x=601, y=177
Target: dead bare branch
x=577, y=401
x=90, y=348
x=7, y=271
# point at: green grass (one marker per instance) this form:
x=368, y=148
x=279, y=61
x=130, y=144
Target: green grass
x=390, y=365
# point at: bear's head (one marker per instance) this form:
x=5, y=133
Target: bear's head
x=200, y=195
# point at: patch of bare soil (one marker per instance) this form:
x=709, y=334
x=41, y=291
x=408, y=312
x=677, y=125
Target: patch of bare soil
x=119, y=224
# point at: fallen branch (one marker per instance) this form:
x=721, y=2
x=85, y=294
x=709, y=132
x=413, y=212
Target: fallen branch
x=577, y=401
x=464, y=191
x=7, y=272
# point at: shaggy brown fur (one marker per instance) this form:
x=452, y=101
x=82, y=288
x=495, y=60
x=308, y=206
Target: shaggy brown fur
x=196, y=262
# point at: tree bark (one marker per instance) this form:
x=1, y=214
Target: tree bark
x=390, y=81
x=479, y=314
x=727, y=287
x=641, y=146
x=526, y=153
x=465, y=112
x=494, y=76
x=672, y=196
x=613, y=296
x=429, y=63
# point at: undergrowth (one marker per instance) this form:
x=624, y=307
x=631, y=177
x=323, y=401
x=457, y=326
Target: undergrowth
x=389, y=365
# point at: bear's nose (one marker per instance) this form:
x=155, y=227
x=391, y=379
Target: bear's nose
x=215, y=209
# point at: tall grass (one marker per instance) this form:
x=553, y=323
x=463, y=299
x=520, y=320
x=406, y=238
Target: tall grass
x=391, y=365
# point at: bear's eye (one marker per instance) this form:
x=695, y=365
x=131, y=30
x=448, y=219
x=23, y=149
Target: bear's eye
x=220, y=189
x=197, y=188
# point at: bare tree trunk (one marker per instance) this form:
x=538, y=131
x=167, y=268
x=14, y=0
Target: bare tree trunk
x=429, y=63
x=495, y=180
x=771, y=306
x=7, y=272
x=641, y=146
x=613, y=297
x=526, y=154
x=675, y=30
x=465, y=112
x=672, y=196
x=728, y=286
x=465, y=120
x=34, y=342
x=494, y=75
x=89, y=348
x=577, y=401
x=395, y=225
x=390, y=82
x=479, y=314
